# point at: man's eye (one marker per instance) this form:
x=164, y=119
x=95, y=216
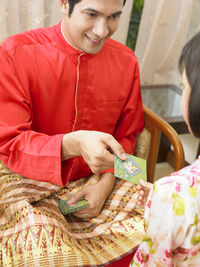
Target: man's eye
x=114, y=16
x=92, y=15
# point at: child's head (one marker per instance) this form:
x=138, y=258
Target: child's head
x=189, y=66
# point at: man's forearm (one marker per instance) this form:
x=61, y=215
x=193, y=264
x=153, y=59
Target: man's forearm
x=108, y=181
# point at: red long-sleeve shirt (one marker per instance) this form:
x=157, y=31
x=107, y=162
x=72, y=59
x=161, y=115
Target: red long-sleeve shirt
x=48, y=89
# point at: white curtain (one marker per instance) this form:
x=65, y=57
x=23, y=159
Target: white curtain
x=165, y=27
x=21, y=15
x=122, y=31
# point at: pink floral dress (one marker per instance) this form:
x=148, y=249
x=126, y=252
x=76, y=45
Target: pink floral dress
x=172, y=222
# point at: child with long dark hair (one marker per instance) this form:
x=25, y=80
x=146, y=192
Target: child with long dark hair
x=172, y=215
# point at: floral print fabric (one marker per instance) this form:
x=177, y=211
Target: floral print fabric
x=172, y=222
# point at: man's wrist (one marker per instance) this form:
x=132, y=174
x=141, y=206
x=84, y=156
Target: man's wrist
x=108, y=179
x=69, y=145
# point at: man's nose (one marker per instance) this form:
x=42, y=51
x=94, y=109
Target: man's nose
x=100, y=28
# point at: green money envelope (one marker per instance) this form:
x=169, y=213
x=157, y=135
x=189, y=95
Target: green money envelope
x=133, y=169
x=66, y=209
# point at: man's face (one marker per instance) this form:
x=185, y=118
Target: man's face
x=91, y=23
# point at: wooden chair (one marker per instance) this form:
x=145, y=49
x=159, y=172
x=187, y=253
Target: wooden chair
x=148, y=142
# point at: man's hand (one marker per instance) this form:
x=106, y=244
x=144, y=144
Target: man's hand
x=97, y=149
x=96, y=194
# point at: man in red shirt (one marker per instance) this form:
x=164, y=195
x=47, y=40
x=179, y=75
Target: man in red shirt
x=70, y=99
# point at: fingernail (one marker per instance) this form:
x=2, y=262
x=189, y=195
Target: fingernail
x=124, y=156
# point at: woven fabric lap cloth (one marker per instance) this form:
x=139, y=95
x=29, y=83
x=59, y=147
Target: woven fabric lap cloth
x=33, y=231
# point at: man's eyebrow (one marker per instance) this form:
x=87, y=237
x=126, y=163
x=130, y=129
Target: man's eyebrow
x=90, y=9
x=97, y=12
x=117, y=13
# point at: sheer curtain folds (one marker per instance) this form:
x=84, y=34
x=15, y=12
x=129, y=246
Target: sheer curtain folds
x=165, y=26
x=163, y=32
x=21, y=15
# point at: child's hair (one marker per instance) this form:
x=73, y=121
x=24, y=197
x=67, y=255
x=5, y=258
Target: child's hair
x=72, y=3
x=190, y=62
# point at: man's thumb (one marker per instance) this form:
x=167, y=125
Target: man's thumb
x=117, y=149
x=74, y=198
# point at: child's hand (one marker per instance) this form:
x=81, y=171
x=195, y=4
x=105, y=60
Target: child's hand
x=143, y=190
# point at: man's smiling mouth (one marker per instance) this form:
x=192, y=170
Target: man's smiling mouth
x=94, y=41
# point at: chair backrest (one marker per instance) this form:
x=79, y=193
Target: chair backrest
x=148, y=142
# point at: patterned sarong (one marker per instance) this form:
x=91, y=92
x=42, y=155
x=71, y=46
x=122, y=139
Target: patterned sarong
x=33, y=231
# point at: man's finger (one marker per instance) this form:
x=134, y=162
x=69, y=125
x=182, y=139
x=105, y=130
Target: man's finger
x=76, y=197
x=117, y=149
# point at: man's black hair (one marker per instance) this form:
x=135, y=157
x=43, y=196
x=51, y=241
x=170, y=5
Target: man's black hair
x=72, y=3
x=190, y=62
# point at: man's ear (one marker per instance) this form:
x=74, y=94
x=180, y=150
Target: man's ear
x=63, y=4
